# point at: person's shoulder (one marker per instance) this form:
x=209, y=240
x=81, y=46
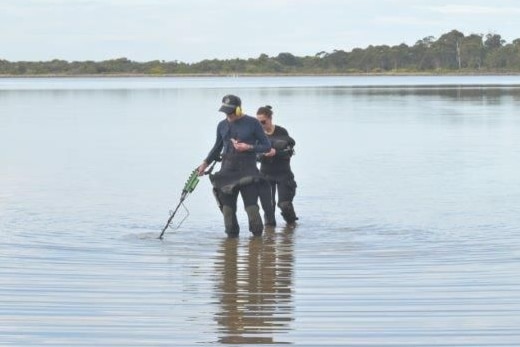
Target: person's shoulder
x=249, y=118
x=280, y=130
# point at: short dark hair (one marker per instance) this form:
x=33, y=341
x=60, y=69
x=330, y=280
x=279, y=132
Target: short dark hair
x=266, y=111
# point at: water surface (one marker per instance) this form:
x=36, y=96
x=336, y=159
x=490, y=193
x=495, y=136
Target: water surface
x=408, y=195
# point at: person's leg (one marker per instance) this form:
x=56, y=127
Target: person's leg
x=273, y=196
x=229, y=209
x=249, y=195
x=267, y=202
x=286, y=193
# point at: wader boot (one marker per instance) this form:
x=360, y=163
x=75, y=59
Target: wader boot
x=255, y=221
x=288, y=212
x=230, y=221
x=269, y=220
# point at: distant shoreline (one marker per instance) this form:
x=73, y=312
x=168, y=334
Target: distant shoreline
x=452, y=54
x=370, y=74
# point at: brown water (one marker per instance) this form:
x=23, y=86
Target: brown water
x=408, y=201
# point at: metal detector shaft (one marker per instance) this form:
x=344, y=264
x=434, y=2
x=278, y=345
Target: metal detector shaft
x=189, y=187
x=171, y=217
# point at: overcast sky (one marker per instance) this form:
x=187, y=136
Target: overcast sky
x=193, y=30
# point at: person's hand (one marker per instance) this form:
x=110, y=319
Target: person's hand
x=241, y=146
x=271, y=153
x=202, y=167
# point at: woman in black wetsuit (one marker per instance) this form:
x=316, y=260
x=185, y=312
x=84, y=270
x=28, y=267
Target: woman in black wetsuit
x=275, y=165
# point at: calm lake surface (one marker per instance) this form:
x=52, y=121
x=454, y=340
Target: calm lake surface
x=408, y=197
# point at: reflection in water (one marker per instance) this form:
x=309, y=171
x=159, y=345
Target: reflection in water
x=254, y=288
x=469, y=93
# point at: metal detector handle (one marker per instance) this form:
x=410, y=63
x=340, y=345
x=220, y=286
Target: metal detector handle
x=192, y=182
x=210, y=169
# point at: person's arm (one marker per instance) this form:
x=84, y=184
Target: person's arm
x=213, y=154
x=262, y=145
x=285, y=135
x=283, y=143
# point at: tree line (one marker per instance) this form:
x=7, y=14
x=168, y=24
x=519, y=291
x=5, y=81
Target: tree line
x=452, y=52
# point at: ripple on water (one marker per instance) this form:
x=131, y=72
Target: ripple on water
x=368, y=285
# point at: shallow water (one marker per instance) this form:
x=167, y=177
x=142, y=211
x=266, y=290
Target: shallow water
x=408, y=195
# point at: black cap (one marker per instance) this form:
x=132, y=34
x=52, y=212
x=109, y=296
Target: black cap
x=230, y=104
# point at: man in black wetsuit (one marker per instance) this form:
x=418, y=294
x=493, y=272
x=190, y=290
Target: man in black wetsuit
x=239, y=138
x=276, y=168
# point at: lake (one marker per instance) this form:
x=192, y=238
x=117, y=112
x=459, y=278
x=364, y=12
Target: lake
x=408, y=197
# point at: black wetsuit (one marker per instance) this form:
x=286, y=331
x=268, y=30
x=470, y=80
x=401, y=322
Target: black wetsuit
x=277, y=170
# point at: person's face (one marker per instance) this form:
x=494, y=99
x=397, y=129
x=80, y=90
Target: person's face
x=264, y=120
x=231, y=117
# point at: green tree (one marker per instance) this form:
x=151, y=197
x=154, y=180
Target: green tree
x=423, y=53
x=447, y=50
x=472, y=52
x=287, y=59
x=493, y=41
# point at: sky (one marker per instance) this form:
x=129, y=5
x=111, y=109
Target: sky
x=194, y=30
